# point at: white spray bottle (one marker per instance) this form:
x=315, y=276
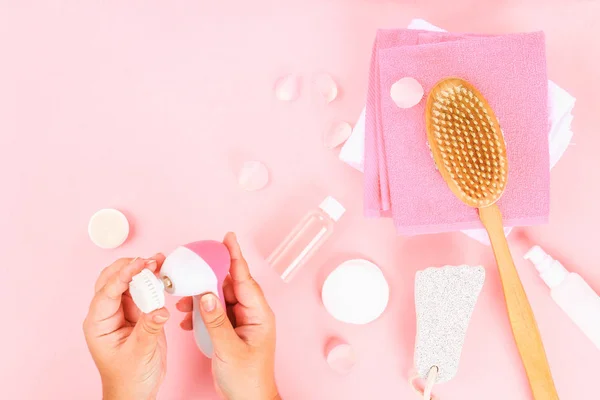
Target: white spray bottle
x=570, y=292
x=191, y=270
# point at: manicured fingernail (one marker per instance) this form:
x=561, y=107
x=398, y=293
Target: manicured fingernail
x=127, y=270
x=151, y=265
x=159, y=319
x=209, y=302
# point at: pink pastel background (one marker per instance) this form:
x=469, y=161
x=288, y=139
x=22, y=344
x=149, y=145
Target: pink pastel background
x=151, y=107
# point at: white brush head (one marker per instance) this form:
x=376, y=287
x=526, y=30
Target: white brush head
x=147, y=291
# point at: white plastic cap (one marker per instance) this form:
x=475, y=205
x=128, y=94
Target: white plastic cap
x=551, y=271
x=333, y=208
x=147, y=291
x=538, y=257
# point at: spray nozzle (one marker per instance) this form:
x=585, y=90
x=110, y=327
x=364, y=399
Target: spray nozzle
x=551, y=271
x=536, y=255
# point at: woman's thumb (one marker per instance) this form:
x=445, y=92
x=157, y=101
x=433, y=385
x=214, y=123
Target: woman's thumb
x=149, y=327
x=221, y=332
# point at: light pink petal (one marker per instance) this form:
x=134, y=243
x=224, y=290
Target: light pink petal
x=407, y=92
x=337, y=134
x=341, y=358
x=326, y=87
x=287, y=88
x=253, y=175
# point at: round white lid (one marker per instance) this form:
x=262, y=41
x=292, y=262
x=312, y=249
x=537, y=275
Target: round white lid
x=108, y=228
x=333, y=208
x=356, y=292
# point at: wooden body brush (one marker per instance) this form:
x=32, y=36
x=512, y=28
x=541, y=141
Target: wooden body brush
x=469, y=150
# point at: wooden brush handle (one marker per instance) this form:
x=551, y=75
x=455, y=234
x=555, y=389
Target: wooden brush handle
x=524, y=327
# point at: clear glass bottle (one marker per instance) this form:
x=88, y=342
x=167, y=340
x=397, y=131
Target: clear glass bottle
x=306, y=238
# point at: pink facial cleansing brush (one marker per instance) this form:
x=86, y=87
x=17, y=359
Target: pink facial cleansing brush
x=191, y=270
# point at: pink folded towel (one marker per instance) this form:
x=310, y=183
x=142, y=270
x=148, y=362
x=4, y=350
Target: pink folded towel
x=401, y=180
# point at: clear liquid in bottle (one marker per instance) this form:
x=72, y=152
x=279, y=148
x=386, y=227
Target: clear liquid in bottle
x=305, y=239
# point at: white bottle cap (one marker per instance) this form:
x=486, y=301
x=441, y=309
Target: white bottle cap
x=147, y=291
x=551, y=271
x=333, y=208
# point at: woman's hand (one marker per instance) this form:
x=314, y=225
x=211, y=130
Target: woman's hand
x=243, y=335
x=128, y=347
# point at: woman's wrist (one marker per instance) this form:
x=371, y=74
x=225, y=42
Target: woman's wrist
x=110, y=395
x=276, y=395
x=113, y=392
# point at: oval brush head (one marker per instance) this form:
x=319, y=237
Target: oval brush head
x=466, y=142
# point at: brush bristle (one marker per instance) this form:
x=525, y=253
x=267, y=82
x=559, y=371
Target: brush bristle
x=466, y=142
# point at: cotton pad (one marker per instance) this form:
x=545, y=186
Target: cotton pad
x=356, y=292
x=108, y=228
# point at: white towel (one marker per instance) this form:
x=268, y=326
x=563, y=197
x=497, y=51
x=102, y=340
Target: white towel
x=560, y=104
